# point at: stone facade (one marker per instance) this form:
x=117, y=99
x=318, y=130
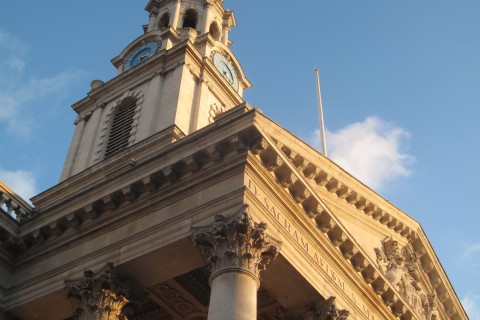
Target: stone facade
x=211, y=210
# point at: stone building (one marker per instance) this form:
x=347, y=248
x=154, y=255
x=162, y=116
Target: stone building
x=178, y=200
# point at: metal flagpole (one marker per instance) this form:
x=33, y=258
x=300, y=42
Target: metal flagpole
x=320, y=114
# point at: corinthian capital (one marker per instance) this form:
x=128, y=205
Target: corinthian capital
x=236, y=244
x=102, y=296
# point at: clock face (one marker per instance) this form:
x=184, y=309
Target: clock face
x=226, y=69
x=141, y=54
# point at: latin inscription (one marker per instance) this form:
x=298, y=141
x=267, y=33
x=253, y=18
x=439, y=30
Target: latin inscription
x=309, y=249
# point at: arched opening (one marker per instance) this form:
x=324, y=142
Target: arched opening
x=164, y=21
x=121, y=127
x=214, y=31
x=190, y=19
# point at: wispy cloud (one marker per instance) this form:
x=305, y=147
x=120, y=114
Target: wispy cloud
x=24, y=183
x=19, y=94
x=372, y=151
x=471, y=250
x=471, y=303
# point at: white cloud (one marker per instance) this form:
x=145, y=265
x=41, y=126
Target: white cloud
x=24, y=183
x=472, y=249
x=19, y=95
x=14, y=103
x=471, y=303
x=13, y=54
x=371, y=150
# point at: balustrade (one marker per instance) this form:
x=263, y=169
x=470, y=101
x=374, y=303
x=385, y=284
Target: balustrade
x=13, y=205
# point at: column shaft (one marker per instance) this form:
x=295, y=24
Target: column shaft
x=233, y=297
x=207, y=18
x=176, y=14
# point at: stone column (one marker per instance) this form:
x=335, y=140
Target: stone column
x=176, y=14
x=153, y=19
x=237, y=250
x=206, y=15
x=225, y=30
x=101, y=295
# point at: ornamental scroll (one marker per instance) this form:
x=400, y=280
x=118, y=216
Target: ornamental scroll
x=402, y=270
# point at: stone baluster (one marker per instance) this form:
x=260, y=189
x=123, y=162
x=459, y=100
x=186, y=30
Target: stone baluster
x=101, y=295
x=13, y=205
x=237, y=249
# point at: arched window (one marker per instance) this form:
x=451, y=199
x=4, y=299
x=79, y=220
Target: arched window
x=214, y=31
x=164, y=21
x=121, y=127
x=190, y=19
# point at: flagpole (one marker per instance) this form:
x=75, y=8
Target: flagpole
x=320, y=114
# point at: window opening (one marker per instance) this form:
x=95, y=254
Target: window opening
x=121, y=127
x=190, y=19
x=164, y=21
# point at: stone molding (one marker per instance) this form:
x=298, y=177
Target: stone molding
x=236, y=244
x=285, y=172
x=102, y=296
x=290, y=168
x=321, y=178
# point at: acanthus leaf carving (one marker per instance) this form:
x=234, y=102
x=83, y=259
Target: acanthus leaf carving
x=102, y=296
x=236, y=243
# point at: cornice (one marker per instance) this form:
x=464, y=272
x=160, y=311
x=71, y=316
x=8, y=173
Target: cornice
x=65, y=214
x=297, y=176
x=325, y=221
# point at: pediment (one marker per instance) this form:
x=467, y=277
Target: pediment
x=359, y=224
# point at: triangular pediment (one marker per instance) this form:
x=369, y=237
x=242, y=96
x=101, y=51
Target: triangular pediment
x=361, y=225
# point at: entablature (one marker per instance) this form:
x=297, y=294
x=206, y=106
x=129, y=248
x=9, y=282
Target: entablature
x=293, y=173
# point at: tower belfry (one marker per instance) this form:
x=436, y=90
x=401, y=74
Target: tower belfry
x=172, y=80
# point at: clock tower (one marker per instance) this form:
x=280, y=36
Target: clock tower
x=171, y=81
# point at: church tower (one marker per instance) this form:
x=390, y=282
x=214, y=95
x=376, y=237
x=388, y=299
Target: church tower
x=180, y=201
x=171, y=81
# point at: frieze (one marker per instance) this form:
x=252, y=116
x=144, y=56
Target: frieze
x=288, y=226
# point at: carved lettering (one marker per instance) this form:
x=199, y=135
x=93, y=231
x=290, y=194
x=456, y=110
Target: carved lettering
x=282, y=219
x=304, y=244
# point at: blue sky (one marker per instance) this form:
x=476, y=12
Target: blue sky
x=400, y=85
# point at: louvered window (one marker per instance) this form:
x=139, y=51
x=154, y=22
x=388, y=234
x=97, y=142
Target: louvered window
x=121, y=127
